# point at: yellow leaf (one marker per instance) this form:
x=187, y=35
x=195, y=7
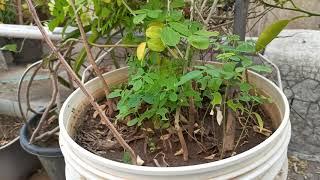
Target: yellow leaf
x=119, y=2
x=107, y=1
x=141, y=50
x=153, y=32
x=155, y=44
x=159, y=24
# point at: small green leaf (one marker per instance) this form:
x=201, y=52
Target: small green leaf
x=134, y=101
x=137, y=85
x=246, y=47
x=175, y=15
x=270, y=33
x=139, y=18
x=199, y=42
x=214, y=84
x=260, y=121
x=225, y=56
x=126, y=158
x=189, y=76
x=162, y=112
x=148, y=80
x=173, y=97
x=245, y=87
x=154, y=13
x=133, y=122
x=116, y=93
x=170, y=37
x=235, y=106
x=245, y=61
x=9, y=47
x=217, y=99
x=261, y=68
x=177, y=3
x=240, y=69
x=155, y=44
x=229, y=67
x=180, y=28
x=207, y=33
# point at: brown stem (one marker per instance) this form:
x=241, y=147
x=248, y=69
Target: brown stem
x=243, y=129
x=193, y=115
x=54, y=81
x=230, y=124
x=29, y=108
x=114, y=45
x=90, y=56
x=180, y=135
x=91, y=99
x=47, y=134
x=19, y=12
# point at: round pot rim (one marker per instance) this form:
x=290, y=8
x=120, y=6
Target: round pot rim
x=34, y=149
x=185, y=169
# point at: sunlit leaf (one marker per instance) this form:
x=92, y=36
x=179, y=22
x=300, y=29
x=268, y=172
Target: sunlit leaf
x=139, y=18
x=270, y=33
x=199, y=42
x=260, y=121
x=153, y=31
x=189, y=76
x=170, y=37
x=180, y=28
x=207, y=33
x=9, y=47
x=133, y=122
x=217, y=99
x=261, y=68
x=155, y=44
x=141, y=50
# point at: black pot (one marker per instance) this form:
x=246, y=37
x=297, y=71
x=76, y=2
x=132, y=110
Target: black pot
x=15, y=163
x=51, y=158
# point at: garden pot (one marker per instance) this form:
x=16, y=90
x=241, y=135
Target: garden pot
x=51, y=158
x=266, y=161
x=15, y=163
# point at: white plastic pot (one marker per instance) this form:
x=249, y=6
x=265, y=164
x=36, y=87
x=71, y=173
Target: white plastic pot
x=266, y=161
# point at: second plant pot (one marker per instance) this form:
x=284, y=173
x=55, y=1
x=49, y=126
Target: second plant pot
x=51, y=158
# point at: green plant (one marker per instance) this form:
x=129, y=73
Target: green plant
x=166, y=86
x=7, y=12
x=165, y=81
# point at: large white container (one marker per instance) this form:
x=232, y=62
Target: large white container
x=266, y=161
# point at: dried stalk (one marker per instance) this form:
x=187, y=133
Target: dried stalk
x=203, y=5
x=29, y=108
x=180, y=135
x=19, y=11
x=47, y=134
x=91, y=58
x=212, y=10
x=91, y=99
x=54, y=81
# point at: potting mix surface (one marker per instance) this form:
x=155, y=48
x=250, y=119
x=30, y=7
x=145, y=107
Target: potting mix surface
x=162, y=147
x=9, y=128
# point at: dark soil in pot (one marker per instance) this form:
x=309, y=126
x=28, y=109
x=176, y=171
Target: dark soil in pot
x=9, y=128
x=204, y=144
